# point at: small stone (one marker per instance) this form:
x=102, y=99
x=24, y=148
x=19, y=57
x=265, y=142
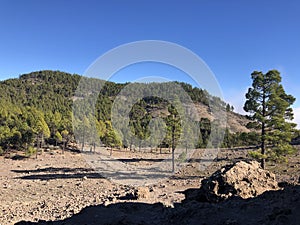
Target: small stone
x=142, y=192
x=106, y=203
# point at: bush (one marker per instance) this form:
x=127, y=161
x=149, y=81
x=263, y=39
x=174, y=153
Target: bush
x=257, y=155
x=276, y=154
x=30, y=151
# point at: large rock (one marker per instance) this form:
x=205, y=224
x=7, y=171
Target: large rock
x=243, y=179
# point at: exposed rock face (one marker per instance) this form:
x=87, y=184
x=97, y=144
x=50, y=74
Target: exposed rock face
x=243, y=179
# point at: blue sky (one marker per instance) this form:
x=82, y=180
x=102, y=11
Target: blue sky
x=233, y=37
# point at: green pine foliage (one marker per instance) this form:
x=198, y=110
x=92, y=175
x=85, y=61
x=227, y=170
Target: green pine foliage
x=270, y=110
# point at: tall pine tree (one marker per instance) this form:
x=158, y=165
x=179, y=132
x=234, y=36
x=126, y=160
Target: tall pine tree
x=270, y=109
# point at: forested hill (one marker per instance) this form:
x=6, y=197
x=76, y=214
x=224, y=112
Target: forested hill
x=41, y=103
x=45, y=90
x=53, y=90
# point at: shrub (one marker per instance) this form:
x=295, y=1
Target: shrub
x=257, y=155
x=30, y=151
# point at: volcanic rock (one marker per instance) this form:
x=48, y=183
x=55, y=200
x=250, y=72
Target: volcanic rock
x=242, y=179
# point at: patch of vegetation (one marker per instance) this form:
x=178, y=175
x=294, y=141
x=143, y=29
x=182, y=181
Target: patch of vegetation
x=30, y=151
x=38, y=106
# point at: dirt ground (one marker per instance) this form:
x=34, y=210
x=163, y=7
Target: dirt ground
x=57, y=186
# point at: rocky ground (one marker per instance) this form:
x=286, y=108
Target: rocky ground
x=65, y=189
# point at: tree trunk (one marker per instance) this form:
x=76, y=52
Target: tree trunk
x=37, y=147
x=186, y=147
x=263, y=129
x=82, y=143
x=263, y=150
x=42, y=143
x=173, y=160
x=63, y=148
x=173, y=149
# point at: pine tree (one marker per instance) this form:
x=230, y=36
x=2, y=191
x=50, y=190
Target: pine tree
x=270, y=109
x=174, y=131
x=111, y=138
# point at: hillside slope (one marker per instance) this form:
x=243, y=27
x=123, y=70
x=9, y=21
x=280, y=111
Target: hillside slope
x=40, y=103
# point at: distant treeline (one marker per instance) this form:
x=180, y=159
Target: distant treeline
x=37, y=108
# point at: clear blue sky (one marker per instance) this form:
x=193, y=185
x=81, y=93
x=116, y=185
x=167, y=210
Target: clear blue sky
x=233, y=37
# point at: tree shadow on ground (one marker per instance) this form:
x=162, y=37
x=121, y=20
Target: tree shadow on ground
x=51, y=173
x=186, y=177
x=272, y=207
x=55, y=170
x=61, y=176
x=19, y=157
x=140, y=160
x=217, y=159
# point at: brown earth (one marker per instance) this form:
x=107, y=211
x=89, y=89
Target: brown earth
x=235, y=122
x=65, y=189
